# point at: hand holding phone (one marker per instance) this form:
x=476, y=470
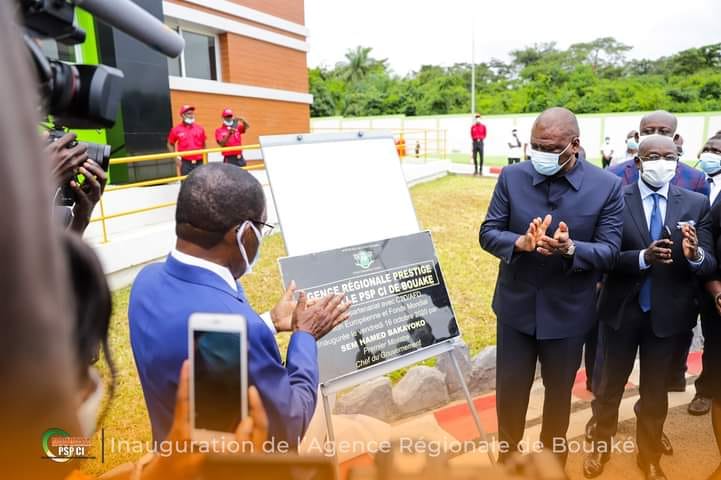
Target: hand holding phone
x=659, y=251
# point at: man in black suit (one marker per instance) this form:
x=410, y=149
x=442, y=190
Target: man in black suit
x=649, y=299
x=706, y=389
x=545, y=292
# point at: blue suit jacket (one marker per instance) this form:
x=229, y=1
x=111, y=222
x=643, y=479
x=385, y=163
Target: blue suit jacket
x=686, y=177
x=162, y=299
x=552, y=297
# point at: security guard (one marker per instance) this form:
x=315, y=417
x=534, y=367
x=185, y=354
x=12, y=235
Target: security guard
x=230, y=135
x=186, y=136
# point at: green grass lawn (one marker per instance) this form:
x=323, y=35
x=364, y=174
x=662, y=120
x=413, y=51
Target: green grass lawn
x=452, y=208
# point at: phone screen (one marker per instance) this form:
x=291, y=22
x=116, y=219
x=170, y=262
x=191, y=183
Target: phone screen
x=217, y=380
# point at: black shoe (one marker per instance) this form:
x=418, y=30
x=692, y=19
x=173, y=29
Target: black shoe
x=666, y=447
x=699, y=405
x=593, y=464
x=651, y=471
x=590, y=429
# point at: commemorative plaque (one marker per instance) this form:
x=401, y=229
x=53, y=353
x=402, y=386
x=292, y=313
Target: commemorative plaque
x=400, y=304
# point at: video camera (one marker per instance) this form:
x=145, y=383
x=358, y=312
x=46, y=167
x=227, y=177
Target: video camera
x=86, y=96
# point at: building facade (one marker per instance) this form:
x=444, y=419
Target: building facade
x=247, y=55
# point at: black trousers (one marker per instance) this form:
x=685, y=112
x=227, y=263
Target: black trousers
x=619, y=353
x=515, y=369
x=679, y=358
x=589, y=357
x=187, y=166
x=511, y=161
x=707, y=383
x=605, y=162
x=478, y=151
x=235, y=160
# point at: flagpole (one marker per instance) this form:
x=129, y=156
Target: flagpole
x=473, y=61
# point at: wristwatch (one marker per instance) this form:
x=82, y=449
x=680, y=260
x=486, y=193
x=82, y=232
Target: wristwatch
x=571, y=250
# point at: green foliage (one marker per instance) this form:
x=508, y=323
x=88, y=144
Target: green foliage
x=590, y=77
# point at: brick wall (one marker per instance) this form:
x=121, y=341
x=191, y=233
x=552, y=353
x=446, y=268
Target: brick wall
x=249, y=61
x=253, y=62
x=287, y=9
x=220, y=13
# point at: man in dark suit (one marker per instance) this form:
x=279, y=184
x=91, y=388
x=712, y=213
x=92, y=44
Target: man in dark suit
x=662, y=123
x=710, y=164
x=220, y=218
x=545, y=291
x=648, y=300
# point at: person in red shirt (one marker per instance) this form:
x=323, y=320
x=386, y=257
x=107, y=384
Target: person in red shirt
x=185, y=136
x=230, y=135
x=478, y=135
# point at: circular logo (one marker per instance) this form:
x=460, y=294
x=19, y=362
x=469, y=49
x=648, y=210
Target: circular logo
x=47, y=448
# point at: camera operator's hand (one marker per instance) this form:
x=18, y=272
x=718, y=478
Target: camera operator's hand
x=184, y=462
x=65, y=161
x=321, y=317
x=87, y=195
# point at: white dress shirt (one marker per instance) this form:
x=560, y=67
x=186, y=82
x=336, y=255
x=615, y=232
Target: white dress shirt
x=222, y=272
x=647, y=202
x=715, y=187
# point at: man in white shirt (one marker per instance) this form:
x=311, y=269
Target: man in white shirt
x=514, y=148
x=606, y=153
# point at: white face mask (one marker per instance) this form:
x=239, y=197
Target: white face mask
x=243, y=253
x=228, y=122
x=546, y=163
x=189, y=120
x=710, y=163
x=658, y=173
x=90, y=409
x=478, y=120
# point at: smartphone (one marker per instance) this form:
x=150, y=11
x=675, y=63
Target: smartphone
x=218, y=351
x=666, y=233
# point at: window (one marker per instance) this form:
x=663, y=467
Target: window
x=199, y=58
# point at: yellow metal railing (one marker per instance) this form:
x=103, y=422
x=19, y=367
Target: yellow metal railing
x=104, y=217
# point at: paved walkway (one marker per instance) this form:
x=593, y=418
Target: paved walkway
x=695, y=451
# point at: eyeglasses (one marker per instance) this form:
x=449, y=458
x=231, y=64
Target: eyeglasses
x=653, y=157
x=265, y=229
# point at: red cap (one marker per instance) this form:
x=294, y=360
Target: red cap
x=185, y=108
x=227, y=113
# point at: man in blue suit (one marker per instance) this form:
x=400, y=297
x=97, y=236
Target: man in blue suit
x=220, y=214
x=546, y=286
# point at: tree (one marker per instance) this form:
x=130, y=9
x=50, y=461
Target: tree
x=359, y=63
x=587, y=77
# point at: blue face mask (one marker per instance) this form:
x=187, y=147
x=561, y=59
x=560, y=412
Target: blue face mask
x=710, y=163
x=546, y=163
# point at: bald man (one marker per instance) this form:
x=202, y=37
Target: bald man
x=663, y=123
x=649, y=300
x=554, y=235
